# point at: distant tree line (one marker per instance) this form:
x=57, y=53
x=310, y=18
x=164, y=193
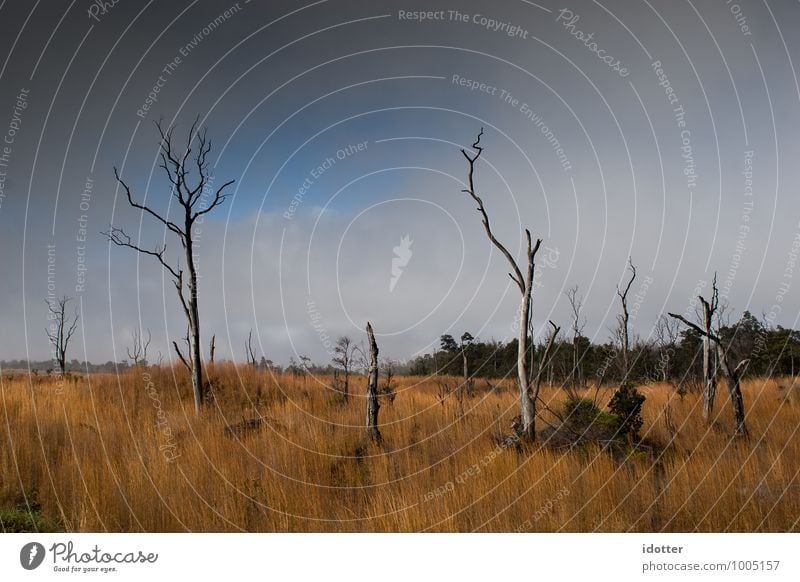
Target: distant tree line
x=48, y=366
x=670, y=355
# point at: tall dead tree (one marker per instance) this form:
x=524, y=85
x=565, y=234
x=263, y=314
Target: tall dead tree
x=138, y=351
x=524, y=281
x=61, y=328
x=623, y=319
x=372, y=388
x=578, y=324
x=194, y=200
x=212, y=348
x=709, y=308
x=733, y=374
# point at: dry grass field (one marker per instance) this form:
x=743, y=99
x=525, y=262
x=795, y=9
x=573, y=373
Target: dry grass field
x=127, y=453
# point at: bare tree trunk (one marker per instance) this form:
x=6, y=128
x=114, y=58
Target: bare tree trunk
x=526, y=397
x=576, y=303
x=709, y=382
x=546, y=357
x=372, y=388
x=709, y=371
x=194, y=320
x=524, y=282
x=623, y=322
x=212, y=348
x=249, y=353
x=576, y=375
x=732, y=378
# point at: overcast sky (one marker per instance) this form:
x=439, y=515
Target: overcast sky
x=661, y=130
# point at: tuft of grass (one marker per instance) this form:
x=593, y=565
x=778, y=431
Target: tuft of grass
x=24, y=520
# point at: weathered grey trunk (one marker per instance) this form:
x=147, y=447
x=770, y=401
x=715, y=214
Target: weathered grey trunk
x=624, y=319
x=732, y=375
x=625, y=359
x=526, y=397
x=577, y=379
x=732, y=378
x=372, y=388
x=709, y=382
x=709, y=371
x=545, y=360
x=527, y=401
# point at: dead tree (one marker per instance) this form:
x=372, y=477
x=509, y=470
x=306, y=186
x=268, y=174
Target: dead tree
x=181, y=357
x=666, y=335
x=372, y=388
x=344, y=352
x=193, y=201
x=138, y=352
x=546, y=357
x=524, y=281
x=212, y=347
x=709, y=371
x=388, y=367
x=248, y=350
x=466, y=341
x=733, y=374
x=61, y=328
x=578, y=324
x=623, y=320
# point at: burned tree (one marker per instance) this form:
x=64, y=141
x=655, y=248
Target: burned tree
x=623, y=319
x=524, y=281
x=61, y=328
x=344, y=352
x=733, y=374
x=193, y=201
x=138, y=351
x=212, y=348
x=372, y=388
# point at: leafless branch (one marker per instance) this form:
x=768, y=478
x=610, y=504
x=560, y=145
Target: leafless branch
x=516, y=275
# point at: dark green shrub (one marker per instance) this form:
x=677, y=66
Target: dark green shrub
x=582, y=422
x=626, y=405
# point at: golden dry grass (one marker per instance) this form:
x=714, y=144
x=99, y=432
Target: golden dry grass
x=92, y=454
